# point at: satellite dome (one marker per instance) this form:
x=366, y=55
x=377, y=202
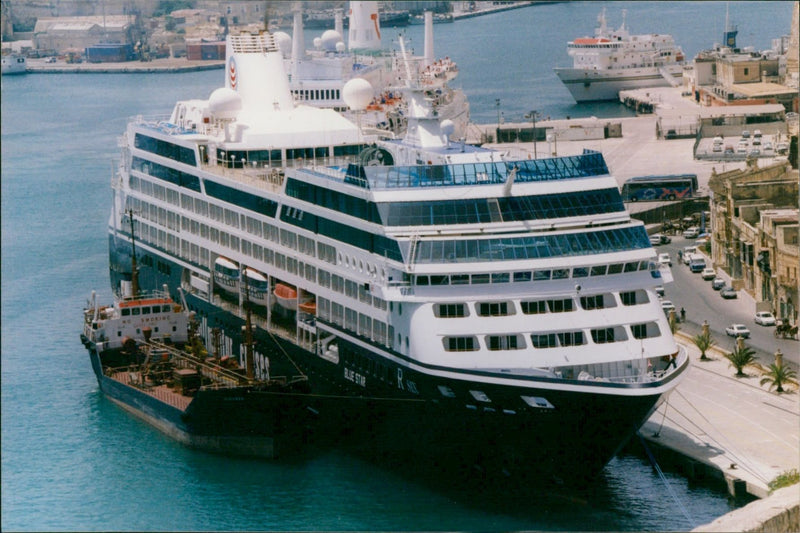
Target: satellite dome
x=448, y=127
x=224, y=103
x=357, y=94
x=329, y=40
x=284, y=43
x=317, y=43
x=340, y=47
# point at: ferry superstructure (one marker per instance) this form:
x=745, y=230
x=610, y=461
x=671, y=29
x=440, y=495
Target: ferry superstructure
x=440, y=298
x=317, y=77
x=615, y=60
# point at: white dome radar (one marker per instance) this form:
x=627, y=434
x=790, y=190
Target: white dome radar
x=225, y=103
x=329, y=40
x=284, y=42
x=448, y=127
x=357, y=94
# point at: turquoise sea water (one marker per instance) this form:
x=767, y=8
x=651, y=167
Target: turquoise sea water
x=72, y=460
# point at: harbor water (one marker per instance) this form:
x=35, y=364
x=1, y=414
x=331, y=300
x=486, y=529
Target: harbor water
x=73, y=460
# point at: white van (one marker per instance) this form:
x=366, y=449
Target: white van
x=688, y=251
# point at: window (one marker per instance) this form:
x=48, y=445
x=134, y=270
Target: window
x=570, y=338
x=450, y=310
x=560, y=306
x=460, y=344
x=494, y=309
x=633, y=297
x=592, y=302
x=598, y=270
x=645, y=331
x=547, y=340
x=602, y=336
x=522, y=276
x=534, y=308
x=505, y=342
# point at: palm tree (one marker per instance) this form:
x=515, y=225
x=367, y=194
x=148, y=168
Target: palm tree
x=777, y=375
x=703, y=341
x=740, y=358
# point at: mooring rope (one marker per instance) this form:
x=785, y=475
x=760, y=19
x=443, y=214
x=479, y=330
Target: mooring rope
x=664, y=479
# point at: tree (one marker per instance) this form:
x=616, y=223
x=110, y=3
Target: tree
x=777, y=375
x=703, y=341
x=741, y=357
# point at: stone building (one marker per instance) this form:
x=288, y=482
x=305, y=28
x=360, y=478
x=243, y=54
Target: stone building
x=754, y=220
x=77, y=33
x=777, y=261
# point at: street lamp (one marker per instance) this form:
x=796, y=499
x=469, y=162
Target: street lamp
x=532, y=115
x=497, y=128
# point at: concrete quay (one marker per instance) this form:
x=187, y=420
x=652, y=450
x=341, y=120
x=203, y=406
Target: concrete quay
x=717, y=426
x=166, y=65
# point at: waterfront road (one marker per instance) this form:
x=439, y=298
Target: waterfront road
x=734, y=425
x=701, y=302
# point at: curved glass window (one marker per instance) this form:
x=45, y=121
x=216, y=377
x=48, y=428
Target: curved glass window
x=165, y=149
x=512, y=209
x=531, y=247
x=590, y=163
x=168, y=174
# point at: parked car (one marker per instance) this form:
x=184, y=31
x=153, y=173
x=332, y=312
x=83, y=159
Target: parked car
x=745, y=134
x=737, y=330
x=688, y=251
x=659, y=238
x=717, y=284
x=691, y=233
x=708, y=274
x=755, y=152
x=728, y=293
x=660, y=291
x=664, y=259
x=757, y=134
x=768, y=146
x=729, y=149
x=667, y=306
x=764, y=318
x=741, y=148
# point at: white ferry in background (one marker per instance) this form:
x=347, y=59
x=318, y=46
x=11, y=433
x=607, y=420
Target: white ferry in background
x=615, y=60
x=14, y=64
x=441, y=299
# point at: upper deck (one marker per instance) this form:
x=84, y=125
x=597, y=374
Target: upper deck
x=588, y=164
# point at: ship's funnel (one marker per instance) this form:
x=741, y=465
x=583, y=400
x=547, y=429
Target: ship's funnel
x=298, y=39
x=338, y=21
x=428, y=38
x=254, y=69
x=365, y=26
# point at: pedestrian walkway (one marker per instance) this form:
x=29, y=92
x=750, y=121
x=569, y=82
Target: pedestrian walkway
x=734, y=425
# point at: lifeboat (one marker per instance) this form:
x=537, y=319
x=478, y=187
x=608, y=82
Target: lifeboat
x=286, y=295
x=257, y=286
x=309, y=306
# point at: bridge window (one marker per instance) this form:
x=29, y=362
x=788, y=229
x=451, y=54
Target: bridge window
x=460, y=344
x=494, y=309
x=505, y=342
x=450, y=310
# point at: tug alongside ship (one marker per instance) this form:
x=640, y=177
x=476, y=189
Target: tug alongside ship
x=439, y=298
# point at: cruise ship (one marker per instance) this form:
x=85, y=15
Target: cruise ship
x=615, y=60
x=441, y=299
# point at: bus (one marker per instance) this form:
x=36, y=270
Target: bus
x=657, y=188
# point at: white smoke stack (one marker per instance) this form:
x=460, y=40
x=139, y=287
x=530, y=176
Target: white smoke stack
x=428, y=38
x=298, y=41
x=338, y=21
x=365, y=28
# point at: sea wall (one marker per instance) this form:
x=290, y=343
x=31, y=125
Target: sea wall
x=778, y=513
